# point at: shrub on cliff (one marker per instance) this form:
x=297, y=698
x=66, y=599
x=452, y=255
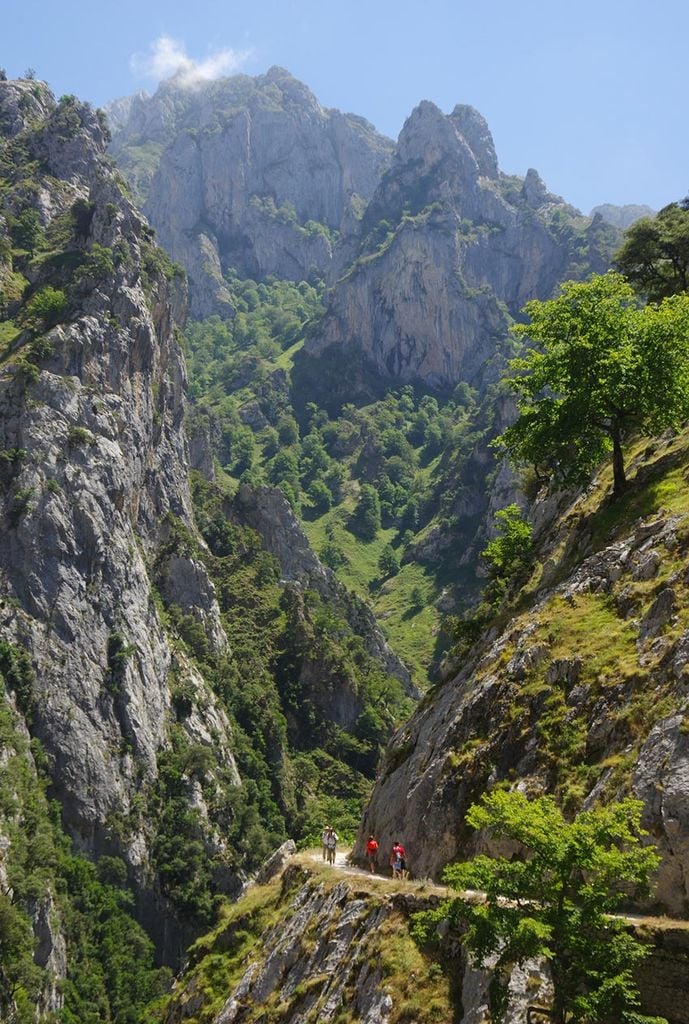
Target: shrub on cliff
x=555, y=901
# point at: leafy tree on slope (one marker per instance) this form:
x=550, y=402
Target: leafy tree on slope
x=600, y=367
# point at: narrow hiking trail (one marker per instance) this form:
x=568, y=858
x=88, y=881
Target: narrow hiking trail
x=425, y=886
x=343, y=866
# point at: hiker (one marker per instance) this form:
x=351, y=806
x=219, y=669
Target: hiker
x=324, y=845
x=398, y=860
x=372, y=853
x=330, y=844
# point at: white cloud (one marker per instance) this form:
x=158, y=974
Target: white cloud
x=167, y=57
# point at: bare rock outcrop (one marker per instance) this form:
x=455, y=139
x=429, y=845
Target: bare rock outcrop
x=449, y=248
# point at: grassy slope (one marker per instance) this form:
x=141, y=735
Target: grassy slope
x=627, y=677
x=409, y=629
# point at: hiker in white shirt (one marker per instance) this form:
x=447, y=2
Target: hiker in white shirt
x=331, y=838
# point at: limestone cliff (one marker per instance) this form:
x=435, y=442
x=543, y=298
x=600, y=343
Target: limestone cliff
x=450, y=248
x=94, y=461
x=149, y=665
x=249, y=173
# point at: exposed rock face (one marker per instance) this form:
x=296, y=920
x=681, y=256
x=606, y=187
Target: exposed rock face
x=97, y=415
x=186, y=584
x=449, y=247
x=552, y=700
x=276, y=863
x=246, y=173
x=50, y=953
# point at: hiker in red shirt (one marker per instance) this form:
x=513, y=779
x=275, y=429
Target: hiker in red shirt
x=372, y=853
x=398, y=860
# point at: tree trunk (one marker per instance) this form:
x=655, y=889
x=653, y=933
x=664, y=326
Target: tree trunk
x=619, y=478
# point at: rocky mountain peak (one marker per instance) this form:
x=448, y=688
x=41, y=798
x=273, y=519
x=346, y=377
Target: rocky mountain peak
x=22, y=101
x=429, y=138
x=534, y=189
x=249, y=174
x=474, y=129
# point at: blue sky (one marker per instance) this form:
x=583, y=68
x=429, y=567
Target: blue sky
x=591, y=94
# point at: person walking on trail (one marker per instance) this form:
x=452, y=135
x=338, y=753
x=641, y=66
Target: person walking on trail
x=372, y=853
x=324, y=844
x=331, y=844
x=398, y=860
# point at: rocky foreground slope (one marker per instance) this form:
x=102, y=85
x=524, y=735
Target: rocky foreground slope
x=321, y=944
x=578, y=689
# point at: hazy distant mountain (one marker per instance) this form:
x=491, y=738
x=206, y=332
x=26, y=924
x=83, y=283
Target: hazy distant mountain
x=622, y=217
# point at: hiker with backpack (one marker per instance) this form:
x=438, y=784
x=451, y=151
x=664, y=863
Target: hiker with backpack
x=372, y=853
x=324, y=845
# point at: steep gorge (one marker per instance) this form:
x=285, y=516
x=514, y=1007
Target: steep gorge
x=183, y=674
x=156, y=684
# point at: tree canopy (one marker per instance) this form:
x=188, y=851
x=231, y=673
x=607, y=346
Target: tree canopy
x=655, y=254
x=555, y=902
x=600, y=366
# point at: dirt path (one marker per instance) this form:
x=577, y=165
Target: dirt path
x=342, y=866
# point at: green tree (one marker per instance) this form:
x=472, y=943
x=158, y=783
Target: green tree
x=284, y=467
x=508, y=552
x=556, y=902
x=332, y=555
x=27, y=232
x=600, y=367
x=319, y=496
x=366, y=520
x=44, y=309
x=288, y=431
x=655, y=253
x=388, y=562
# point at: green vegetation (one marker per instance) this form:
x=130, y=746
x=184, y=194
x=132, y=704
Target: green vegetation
x=364, y=481
x=655, y=255
x=508, y=553
x=555, y=902
x=602, y=368
x=44, y=309
x=111, y=974
x=226, y=356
